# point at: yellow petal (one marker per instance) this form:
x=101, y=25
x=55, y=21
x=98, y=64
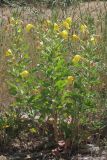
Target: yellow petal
x=8, y=53
x=48, y=22
x=76, y=59
x=66, y=25
x=83, y=28
x=94, y=40
x=64, y=34
x=56, y=27
x=75, y=37
x=24, y=74
x=69, y=20
x=33, y=130
x=29, y=27
x=70, y=79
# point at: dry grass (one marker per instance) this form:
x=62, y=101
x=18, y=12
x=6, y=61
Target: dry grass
x=97, y=10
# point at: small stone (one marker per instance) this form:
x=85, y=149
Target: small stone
x=28, y=157
x=3, y=157
x=104, y=152
x=103, y=158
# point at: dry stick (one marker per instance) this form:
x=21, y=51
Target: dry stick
x=105, y=6
x=55, y=125
x=103, y=104
x=2, y=133
x=1, y=51
x=80, y=12
x=96, y=6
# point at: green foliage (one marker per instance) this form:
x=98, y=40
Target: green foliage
x=58, y=81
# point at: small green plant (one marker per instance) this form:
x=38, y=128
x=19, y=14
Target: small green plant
x=58, y=82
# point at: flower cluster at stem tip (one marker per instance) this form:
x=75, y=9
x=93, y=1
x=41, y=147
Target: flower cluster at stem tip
x=70, y=79
x=29, y=27
x=75, y=37
x=24, y=74
x=64, y=34
x=8, y=53
x=76, y=59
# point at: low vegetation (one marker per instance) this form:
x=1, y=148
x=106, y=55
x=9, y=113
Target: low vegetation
x=56, y=75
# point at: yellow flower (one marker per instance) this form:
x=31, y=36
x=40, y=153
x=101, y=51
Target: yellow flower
x=29, y=27
x=64, y=34
x=12, y=20
x=75, y=37
x=70, y=79
x=76, y=59
x=48, y=22
x=69, y=20
x=24, y=74
x=33, y=130
x=56, y=27
x=6, y=126
x=8, y=53
x=83, y=28
x=93, y=40
x=66, y=25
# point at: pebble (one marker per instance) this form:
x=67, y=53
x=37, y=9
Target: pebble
x=3, y=157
